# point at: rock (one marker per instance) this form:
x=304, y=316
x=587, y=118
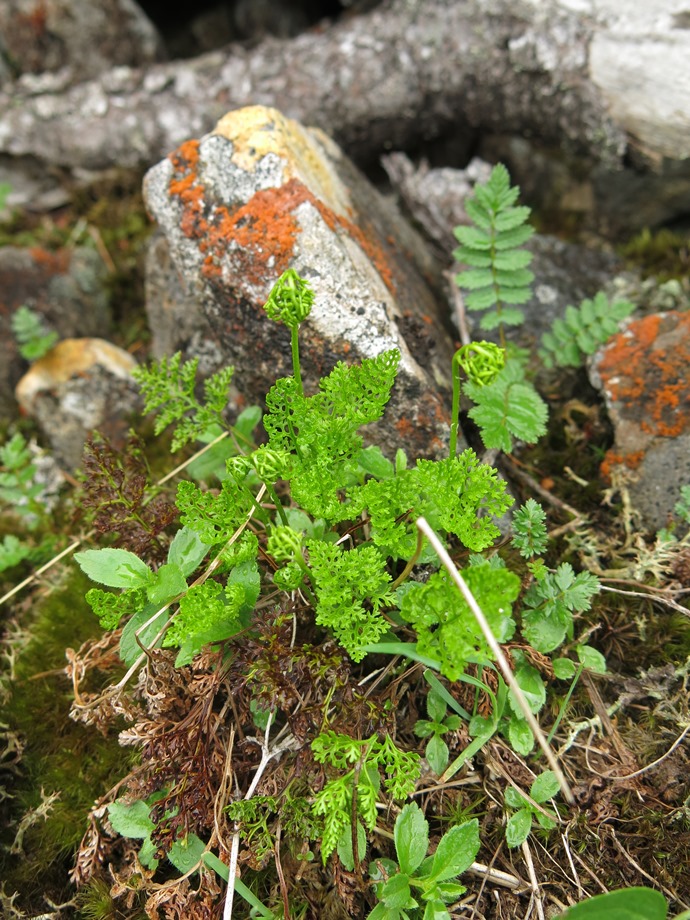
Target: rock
x=586, y=101
x=66, y=288
x=382, y=80
x=643, y=375
x=174, y=314
x=564, y=273
x=81, y=385
x=79, y=39
x=261, y=194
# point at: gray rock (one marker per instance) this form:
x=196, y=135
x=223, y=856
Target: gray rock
x=262, y=194
x=79, y=40
x=643, y=375
x=66, y=288
x=80, y=386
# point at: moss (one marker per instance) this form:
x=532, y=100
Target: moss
x=60, y=756
x=662, y=253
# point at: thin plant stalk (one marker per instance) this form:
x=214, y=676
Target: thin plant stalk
x=497, y=653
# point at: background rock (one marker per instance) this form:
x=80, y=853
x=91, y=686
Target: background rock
x=80, y=39
x=262, y=194
x=643, y=375
x=561, y=76
x=66, y=288
x=81, y=385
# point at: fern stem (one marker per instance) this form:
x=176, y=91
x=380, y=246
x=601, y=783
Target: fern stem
x=455, y=409
x=276, y=501
x=294, y=342
x=308, y=593
x=412, y=562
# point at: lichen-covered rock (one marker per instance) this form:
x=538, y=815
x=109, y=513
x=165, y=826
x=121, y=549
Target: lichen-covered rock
x=261, y=194
x=80, y=39
x=81, y=385
x=66, y=288
x=643, y=374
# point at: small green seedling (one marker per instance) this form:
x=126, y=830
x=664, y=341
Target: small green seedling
x=418, y=885
x=438, y=724
x=519, y=825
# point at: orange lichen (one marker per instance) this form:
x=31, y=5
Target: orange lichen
x=54, y=263
x=612, y=459
x=259, y=236
x=647, y=375
x=405, y=428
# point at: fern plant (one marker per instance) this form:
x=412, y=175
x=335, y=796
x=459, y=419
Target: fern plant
x=313, y=515
x=507, y=404
x=33, y=340
x=581, y=331
x=498, y=276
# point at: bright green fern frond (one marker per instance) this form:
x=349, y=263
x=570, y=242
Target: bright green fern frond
x=345, y=579
x=360, y=391
x=581, y=331
x=529, y=536
x=508, y=407
x=446, y=628
x=213, y=517
x=460, y=495
x=168, y=389
x=391, y=505
x=322, y=430
x=28, y=328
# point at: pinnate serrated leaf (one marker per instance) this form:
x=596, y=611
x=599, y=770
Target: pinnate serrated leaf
x=511, y=218
x=475, y=278
x=472, y=238
x=481, y=300
x=512, y=260
x=511, y=239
